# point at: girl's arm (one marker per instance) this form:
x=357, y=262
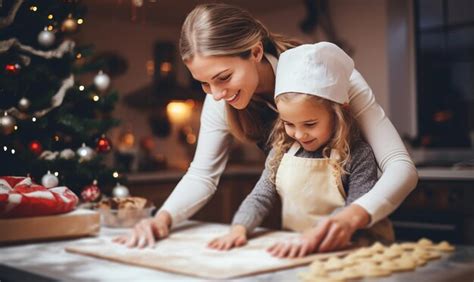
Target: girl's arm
x=200, y=181
x=258, y=204
x=399, y=176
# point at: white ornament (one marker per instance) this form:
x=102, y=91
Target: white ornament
x=102, y=81
x=120, y=191
x=24, y=104
x=49, y=180
x=85, y=153
x=7, y=124
x=46, y=38
x=67, y=154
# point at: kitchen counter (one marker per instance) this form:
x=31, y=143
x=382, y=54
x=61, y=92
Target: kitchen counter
x=49, y=261
x=236, y=170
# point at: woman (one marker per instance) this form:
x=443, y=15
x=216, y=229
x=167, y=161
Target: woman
x=234, y=57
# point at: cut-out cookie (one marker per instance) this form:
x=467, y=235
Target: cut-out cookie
x=347, y=274
x=424, y=242
x=333, y=263
x=443, y=246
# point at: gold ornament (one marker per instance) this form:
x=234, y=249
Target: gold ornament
x=69, y=24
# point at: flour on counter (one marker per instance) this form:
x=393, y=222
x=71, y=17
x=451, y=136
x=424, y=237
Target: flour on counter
x=185, y=251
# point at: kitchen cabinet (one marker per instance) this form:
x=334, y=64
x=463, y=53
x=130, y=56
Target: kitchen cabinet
x=439, y=208
x=235, y=184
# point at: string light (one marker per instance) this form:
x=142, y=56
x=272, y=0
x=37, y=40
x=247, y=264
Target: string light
x=56, y=173
x=115, y=174
x=80, y=21
x=50, y=27
x=33, y=8
x=78, y=56
x=81, y=88
x=96, y=98
x=13, y=151
x=33, y=119
x=5, y=148
x=50, y=16
x=15, y=127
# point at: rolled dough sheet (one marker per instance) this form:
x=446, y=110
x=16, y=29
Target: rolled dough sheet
x=185, y=252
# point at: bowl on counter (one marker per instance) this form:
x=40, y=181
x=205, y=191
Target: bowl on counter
x=124, y=212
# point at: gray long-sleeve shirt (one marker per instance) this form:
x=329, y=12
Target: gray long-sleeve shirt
x=361, y=177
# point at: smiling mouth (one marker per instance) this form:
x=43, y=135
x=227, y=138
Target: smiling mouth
x=233, y=98
x=307, y=142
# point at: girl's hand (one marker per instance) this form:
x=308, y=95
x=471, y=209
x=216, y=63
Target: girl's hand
x=235, y=238
x=291, y=248
x=331, y=233
x=145, y=233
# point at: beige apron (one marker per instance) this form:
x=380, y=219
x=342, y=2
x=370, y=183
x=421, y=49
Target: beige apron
x=311, y=189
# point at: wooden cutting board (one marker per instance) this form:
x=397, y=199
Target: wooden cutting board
x=185, y=252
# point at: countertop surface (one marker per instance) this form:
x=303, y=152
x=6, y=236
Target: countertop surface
x=238, y=170
x=49, y=261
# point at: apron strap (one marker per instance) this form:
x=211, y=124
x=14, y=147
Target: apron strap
x=294, y=148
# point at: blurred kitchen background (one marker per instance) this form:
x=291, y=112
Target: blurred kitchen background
x=417, y=56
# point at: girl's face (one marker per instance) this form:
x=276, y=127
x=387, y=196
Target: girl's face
x=309, y=123
x=228, y=77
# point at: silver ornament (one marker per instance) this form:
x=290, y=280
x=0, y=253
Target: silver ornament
x=120, y=191
x=49, y=180
x=46, y=38
x=67, y=154
x=7, y=124
x=102, y=81
x=85, y=153
x=24, y=104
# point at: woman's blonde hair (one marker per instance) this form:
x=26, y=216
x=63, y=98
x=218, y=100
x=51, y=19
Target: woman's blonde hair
x=220, y=29
x=344, y=133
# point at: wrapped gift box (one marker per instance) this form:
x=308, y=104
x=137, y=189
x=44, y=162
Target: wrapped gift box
x=78, y=223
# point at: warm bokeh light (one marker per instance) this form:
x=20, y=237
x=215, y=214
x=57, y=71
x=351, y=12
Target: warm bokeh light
x=179, y=111
x=165, y=68
x=150, y=67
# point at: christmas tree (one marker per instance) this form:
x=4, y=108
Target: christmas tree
x=49, y=119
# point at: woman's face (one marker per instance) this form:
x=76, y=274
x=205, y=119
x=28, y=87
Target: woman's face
x=230, y=78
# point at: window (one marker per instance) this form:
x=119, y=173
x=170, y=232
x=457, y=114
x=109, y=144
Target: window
x=444, y=31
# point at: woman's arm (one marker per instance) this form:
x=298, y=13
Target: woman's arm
x=399, y=176
x=200, y=181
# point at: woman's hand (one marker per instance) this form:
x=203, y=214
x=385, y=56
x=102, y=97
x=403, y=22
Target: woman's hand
x=145, y=233
x=331, y=233
x=235, y=238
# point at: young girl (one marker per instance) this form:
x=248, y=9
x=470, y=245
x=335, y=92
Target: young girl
x=318, y=164
x=234, y=56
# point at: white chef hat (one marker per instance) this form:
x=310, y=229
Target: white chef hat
x=320, y=69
